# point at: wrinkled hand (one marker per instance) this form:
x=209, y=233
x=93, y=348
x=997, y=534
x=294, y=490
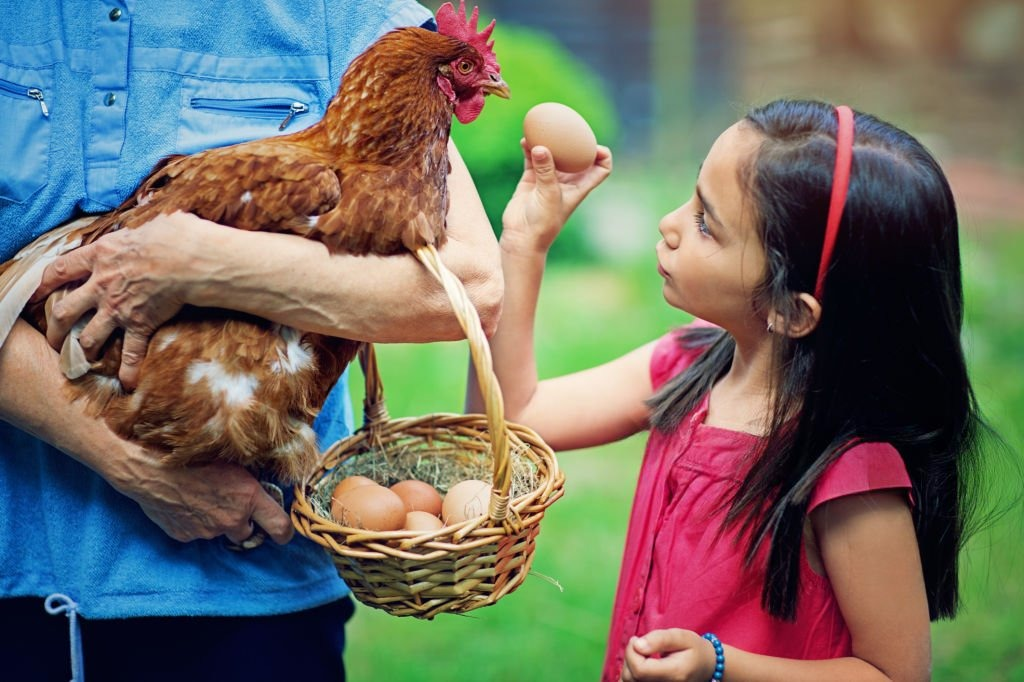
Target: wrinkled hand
x=545, y=198
x=200, y=502
x=669, y=655
x=130, y=279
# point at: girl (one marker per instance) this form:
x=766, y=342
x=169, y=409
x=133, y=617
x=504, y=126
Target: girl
x=802, y=500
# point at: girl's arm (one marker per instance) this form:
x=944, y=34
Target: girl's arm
x=869, y=551
x=587, y=408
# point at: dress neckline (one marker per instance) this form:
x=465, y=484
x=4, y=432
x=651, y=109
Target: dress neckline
x=699, y=416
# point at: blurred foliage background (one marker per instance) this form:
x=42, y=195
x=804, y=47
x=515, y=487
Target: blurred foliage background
x=658, y=80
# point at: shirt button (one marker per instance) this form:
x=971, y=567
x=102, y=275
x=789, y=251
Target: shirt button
x=115, y=14
x=110, y=99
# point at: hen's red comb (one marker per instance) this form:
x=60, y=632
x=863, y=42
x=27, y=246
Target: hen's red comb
x=457, y=25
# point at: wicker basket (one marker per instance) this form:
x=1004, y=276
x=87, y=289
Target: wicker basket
x=459, y=567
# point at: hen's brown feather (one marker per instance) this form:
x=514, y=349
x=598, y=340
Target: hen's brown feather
x=371, y=176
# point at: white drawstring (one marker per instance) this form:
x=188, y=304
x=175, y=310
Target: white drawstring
x=61, y=603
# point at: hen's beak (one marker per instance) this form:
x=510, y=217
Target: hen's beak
x=496, y=86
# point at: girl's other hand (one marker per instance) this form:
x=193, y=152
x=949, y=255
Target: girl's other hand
x=545, y=198
x=669, y=655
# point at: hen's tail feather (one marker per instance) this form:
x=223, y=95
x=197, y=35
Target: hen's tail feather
x=21, y=275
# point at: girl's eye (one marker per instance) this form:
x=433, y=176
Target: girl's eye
x=702, y=226
x=465, y=66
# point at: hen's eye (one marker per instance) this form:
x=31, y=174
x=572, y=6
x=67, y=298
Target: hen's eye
x=465, y=66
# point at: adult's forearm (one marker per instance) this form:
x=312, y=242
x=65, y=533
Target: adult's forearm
x=32, y=398
x=297, y=282
x=369, y=298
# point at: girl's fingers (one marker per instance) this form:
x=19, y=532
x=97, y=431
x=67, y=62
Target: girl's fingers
x=543, y=165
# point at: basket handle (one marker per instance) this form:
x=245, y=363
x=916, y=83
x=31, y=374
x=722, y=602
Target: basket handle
x=480, y=354
x=375, y=412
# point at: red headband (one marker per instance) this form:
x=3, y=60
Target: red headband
x=840, y=184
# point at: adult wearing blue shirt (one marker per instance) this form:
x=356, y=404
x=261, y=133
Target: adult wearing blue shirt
x=92, y=94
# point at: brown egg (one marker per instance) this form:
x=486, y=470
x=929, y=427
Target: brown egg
x=372, y=507
x=465, y=500
x=421, y=520
x=563, y=131
x=418, y=496
x=351, y=482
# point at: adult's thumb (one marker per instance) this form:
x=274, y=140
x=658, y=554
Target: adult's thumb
x=269, y=513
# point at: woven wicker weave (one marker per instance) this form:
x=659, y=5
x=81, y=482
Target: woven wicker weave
x=459, y=567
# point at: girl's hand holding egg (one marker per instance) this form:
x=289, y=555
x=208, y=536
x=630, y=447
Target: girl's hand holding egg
x=564, y=132
x=552, y=184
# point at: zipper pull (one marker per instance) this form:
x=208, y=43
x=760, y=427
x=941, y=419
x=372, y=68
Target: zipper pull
x=37, y=94
x=295, y=108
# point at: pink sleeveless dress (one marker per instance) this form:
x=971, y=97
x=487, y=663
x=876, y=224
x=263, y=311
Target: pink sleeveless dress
x=679, y=571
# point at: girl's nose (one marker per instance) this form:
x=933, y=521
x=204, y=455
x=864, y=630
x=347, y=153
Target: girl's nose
x=668, y=229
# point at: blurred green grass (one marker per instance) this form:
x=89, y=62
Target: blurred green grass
x=554, y=626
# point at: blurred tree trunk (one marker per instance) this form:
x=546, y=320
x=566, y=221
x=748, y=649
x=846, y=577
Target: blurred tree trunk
x=672, y=60
x=694, y=71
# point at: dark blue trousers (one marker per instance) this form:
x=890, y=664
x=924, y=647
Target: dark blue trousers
x=34, y=646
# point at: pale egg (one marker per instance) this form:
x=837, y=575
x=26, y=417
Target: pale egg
x=465, y=500
x=421, y=520
x=563, y=131
x=371, y=507
x=418, y=496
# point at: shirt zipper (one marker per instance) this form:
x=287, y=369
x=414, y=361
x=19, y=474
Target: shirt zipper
x=23, y=91
x=257, y=108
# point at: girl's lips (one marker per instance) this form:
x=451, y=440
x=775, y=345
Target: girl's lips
x=661, y=271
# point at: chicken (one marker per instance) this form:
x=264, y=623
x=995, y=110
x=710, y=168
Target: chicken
x=370, y=177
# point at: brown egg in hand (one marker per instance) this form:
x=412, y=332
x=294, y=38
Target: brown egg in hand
x=564, y=132
x=371, y=507
x=465, y=500
x=418, y=496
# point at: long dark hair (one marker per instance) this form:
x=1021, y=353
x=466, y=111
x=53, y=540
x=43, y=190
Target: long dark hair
x=885, y=363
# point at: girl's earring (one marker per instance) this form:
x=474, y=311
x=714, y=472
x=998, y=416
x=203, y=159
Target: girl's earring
x=771, y=328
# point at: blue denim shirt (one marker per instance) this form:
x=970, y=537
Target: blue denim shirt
x=92, y=94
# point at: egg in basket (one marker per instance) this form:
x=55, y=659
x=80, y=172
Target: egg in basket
x=464, y=564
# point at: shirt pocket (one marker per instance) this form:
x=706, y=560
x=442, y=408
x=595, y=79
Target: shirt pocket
x=218, y=113
x=25, y=142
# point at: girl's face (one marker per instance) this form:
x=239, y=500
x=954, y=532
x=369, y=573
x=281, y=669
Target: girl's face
x=710, y=255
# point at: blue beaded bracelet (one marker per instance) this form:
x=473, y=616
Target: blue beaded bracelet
x=719, y=656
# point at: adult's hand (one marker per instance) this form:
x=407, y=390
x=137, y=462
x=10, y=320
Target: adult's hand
x=199, y=502
x=130, y=278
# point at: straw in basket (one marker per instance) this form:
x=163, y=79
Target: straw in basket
x=462, y=566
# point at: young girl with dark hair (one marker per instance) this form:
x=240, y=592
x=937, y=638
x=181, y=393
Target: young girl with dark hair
x=806, y=486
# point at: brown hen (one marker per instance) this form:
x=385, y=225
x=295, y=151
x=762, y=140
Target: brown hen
x=370, y=177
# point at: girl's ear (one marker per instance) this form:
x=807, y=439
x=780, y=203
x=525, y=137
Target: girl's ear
x=806, y=314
